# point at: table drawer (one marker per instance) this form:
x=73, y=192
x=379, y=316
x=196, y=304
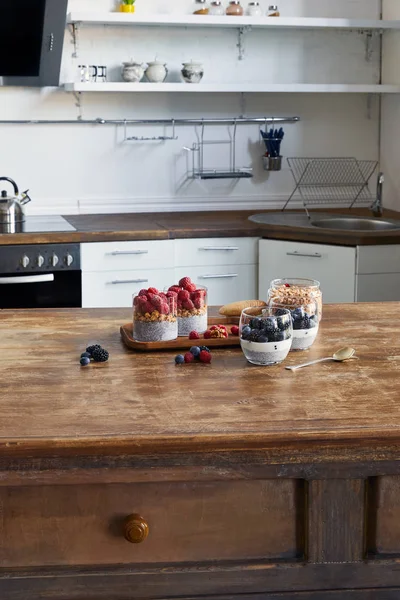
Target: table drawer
x=115, y=289
x=123, y=256
x=84, y=524
x=216, y=251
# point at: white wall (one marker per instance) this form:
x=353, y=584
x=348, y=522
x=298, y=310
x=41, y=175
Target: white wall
x=89, y=169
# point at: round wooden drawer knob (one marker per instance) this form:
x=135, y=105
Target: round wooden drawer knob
x=136, y=529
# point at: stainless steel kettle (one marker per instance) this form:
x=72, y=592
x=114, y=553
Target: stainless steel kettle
x=12, y=207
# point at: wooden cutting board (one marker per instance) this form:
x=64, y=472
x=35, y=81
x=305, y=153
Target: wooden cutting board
x=183, y=343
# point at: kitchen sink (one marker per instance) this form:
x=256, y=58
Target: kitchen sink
x=356, y=224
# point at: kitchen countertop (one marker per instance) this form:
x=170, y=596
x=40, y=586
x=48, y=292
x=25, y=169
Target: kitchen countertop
x=162, y=226
x=51, y=406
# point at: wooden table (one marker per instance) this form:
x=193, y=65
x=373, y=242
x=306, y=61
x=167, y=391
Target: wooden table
x=227, y=479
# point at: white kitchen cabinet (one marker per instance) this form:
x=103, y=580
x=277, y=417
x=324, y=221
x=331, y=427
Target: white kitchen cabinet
x=123, y=256
x=225, y=283
x=378, y=287
x=216, y=251
x=333, y=266
x=116, y=288
x=378, y=273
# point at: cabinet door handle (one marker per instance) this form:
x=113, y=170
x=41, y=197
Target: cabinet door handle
x=118, y=281
x=136, y=529
x=225, y=248
x=316, y=255
x=122, y=252
x=222, y=276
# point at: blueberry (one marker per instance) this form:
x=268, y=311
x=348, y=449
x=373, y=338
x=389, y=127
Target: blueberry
x=298, y=313
x=86, y=355
x=262, y=339
x=297, y=324
x=279, y=336
x=179, y=359
x=85, y=361
x=246, y=331
x=256, y=323
x=313, y=321
x=280, y=312
x=269, y=324
x=195, y=350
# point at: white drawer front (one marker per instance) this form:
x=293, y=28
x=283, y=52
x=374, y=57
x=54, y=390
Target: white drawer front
x=333, y=266
x=114, y=290
x=122, y=256
x=378, y=259
x=216, y=251
x=225, y=283
x=378, y=288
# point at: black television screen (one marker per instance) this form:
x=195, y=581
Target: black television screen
x=31, y=41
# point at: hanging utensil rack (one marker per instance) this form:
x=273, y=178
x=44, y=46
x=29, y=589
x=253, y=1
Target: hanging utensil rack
x=331, y=181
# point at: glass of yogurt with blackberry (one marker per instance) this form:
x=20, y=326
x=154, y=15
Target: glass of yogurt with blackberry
x=305, y=320
x=266, y=335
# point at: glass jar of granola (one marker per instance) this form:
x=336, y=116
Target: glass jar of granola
x=155, y=316
x=296, y=293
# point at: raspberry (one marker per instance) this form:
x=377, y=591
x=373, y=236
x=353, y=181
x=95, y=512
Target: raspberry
x=147, y=307
x=152, y=290
x=190, y=287
x=205, y=357
x=193, y=335
x=136, y=300
x=174, y=288
x=184, y=281
x=207, y=334
x=156, y=301
x=188, y=304
x=143, y=293
x=183, y=295
x=214, y=328
x=164, y=309
x=235, y=330
x=171, y=294
x=198, y=302
x=189, y=358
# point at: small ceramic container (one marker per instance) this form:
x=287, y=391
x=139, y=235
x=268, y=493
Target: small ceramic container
x=254, y=9
x=216, y=9
x=156, y=72
x=132, y=72
x=234, y=9
x=192, y=72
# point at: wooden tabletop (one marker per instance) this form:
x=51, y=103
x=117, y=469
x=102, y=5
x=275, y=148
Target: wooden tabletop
x=163, y=226
x=134, y=401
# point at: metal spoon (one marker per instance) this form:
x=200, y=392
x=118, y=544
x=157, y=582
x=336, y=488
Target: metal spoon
x=339, y=356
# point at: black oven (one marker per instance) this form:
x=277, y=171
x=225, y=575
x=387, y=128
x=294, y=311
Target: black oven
x=36, y=276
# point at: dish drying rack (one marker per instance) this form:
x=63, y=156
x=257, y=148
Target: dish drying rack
x=332, y=181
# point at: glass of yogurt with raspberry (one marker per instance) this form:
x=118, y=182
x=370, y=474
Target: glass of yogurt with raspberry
x=192, y=306
x=266, y=335
x=155, y=316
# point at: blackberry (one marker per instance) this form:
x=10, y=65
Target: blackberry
x=283, y=324
x=262, y=339
x=91, y=349
x=298, y=314
x=297, y=324
x=100, y=355
x=280, y=312
x=269, y=325
x=305, y=322
x=256, y=324
x=205, y=349
x=255, y=334
x=279, y=336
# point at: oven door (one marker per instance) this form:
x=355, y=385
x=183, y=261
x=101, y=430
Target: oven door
x=61, y=289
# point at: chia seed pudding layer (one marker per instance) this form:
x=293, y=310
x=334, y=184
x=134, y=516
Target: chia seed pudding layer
x=270, y=353
x=155, y=331
x=304, y=338
x=197, y=323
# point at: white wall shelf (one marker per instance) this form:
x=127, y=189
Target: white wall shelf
x=117, y=18
x=293, y=88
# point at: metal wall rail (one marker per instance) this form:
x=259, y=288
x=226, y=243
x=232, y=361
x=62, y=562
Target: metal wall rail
x=218, y=121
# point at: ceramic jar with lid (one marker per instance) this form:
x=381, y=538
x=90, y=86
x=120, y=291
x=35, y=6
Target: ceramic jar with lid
x=192, y=72
x=234, y=9
x=132, y=72
x=254, y=9
x=156, y=72
x=216, y=8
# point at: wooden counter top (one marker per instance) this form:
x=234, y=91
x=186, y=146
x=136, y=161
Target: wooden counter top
x=141, y=403
x=159, y=226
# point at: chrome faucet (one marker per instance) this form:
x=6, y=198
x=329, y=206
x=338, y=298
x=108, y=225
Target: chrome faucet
x=377, y=206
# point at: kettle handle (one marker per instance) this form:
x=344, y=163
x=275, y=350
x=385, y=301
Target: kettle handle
x=16, y=190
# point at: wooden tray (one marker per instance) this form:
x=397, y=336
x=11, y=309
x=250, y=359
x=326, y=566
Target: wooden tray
x=183, y=343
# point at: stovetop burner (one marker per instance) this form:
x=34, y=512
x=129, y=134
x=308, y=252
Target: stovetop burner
x=47, y=224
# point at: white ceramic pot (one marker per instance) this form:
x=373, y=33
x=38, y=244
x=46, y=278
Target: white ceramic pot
x=156, y=72
x=192, y=72
x=132, y=72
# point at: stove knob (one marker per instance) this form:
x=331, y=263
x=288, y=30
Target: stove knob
x=54, y=260
x=40, y=261
x=69, y=259
x=25, y=261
